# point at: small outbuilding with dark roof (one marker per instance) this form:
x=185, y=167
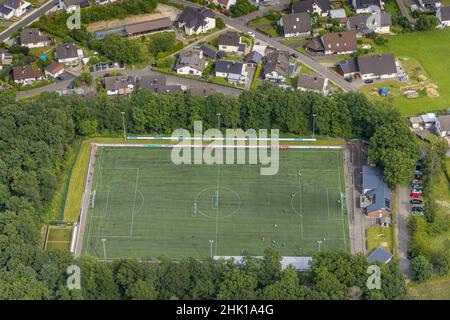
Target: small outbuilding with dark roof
x=379, y=254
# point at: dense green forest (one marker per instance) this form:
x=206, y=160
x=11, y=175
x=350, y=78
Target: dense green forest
x=35, y=136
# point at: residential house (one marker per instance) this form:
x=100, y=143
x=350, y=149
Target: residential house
x=430, y=4
x=142, y=28
x=33, y=38
x=416, y=122
x=72, y=5
x=424, y=121
x=364, y=24
x=276, y=66
x=229, y=42
x=118, y=85
x=339, y=42
x=379, y=254
x=296, y=24
x=209, y=52
x=253, y=59
x=375, y=66
x=233, y=71
x=26, y=75
x=53, y=70
x=158, y=84
x=260, y=48
x=442, y=125
x=376, y=198
x=321, y=7
x=13, y=8
x=312, y=82
x=196, y=20
x=443, y=14
x=367, y=6
x=6, y=58
x=68, y=53
x=191, y=62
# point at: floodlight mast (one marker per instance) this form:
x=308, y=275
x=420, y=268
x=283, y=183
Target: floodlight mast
x=123, y=125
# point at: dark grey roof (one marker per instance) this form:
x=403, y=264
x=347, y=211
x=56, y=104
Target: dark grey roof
x=4, y=10
x=32, y=35
x=297, y=22
x=444, y=122
x=378, y=64
x=192, y=59
x=230, y=39
x=364, y=4
x=445, y=13
x=359, y=23
x=379, y=254
x=378, y=188
x=13, y=3
x=307, y=5
x=230, y=67
x=68, y=50
x=277, y=61
x=74, y=2
x=253, y=57
x=116, y=83
x=431, y=1
x=209, y=52
x=194, y=17
x=157, y=84
x=349, y=65
x=312, y=82
x=148, y=26
x=315, y=45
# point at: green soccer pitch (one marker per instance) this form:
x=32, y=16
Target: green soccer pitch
x=145, y=206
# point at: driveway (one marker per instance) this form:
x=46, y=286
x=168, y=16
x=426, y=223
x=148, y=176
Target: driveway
x=403, y=209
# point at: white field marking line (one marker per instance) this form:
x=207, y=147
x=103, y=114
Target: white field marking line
x=217, y=209
x=98, y=168
x=134, y=202
x=342, y=204
x=328, y=205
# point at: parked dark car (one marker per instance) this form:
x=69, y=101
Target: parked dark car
x=348, y=79
x=416, y=201
x=110, y=65
x=409, y=254
x=91, y=69
x=121, y=64
x=418, y=177
x=368, y=81
x=60, y=78
x=99, y=67
x=104, y=66
x=417, y=209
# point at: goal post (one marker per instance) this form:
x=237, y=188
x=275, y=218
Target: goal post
x=215, y=200
x=194, y=209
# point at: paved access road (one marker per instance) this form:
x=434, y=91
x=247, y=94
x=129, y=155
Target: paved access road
x=311, y=63
x=34, y=15
x=403, y=210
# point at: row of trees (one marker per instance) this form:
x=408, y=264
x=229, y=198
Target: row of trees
x=435, y=220
x=36, y=135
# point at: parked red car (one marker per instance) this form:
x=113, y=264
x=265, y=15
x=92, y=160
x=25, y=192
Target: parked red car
x=416, y=195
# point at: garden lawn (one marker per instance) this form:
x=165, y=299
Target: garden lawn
x=430, y=49
x=437, y=288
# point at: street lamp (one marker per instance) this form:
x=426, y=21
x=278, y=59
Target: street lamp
x=104, y=247
x=314, y=122
x=319, y=242
x=123, y=125
x=211, y=245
